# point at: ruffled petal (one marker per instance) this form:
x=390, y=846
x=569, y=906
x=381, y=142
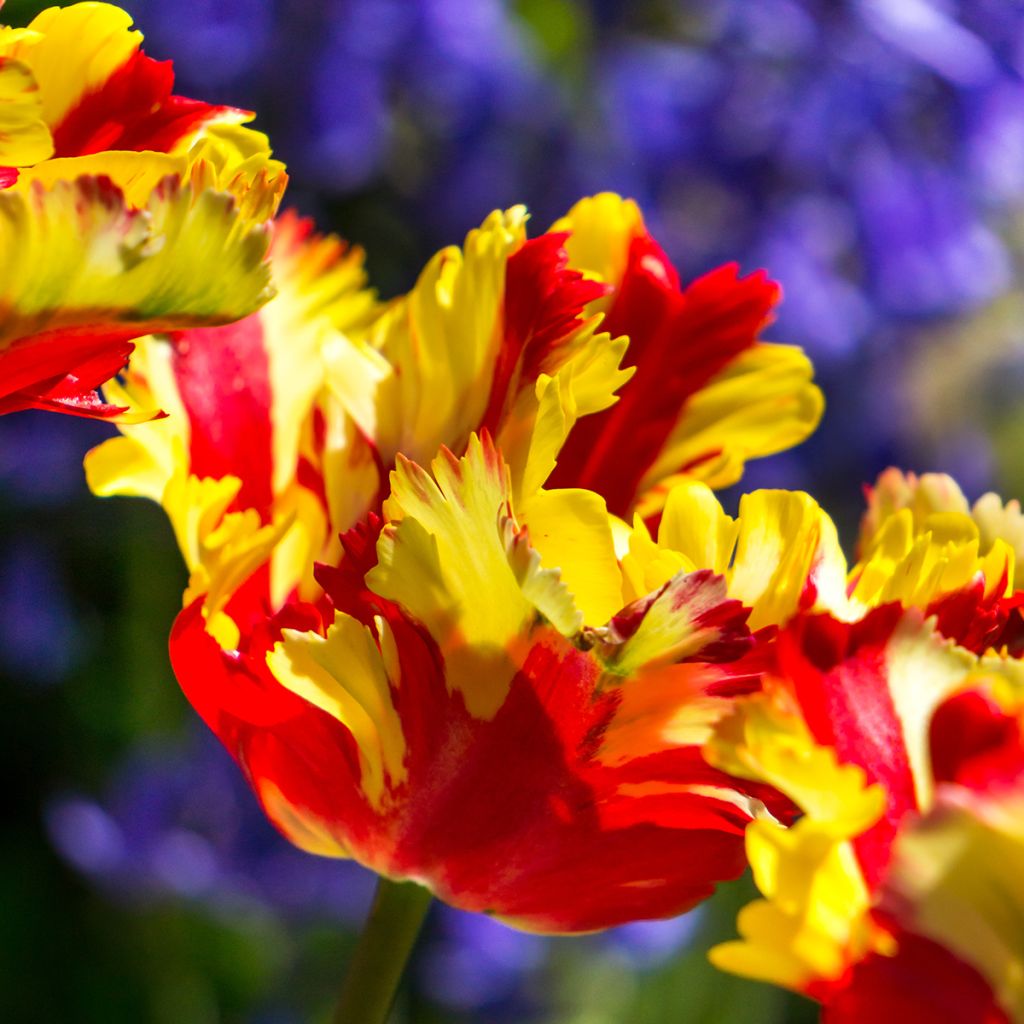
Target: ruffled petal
x=83, y=272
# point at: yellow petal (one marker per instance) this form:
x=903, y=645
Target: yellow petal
x=76, y=255
x=815, y=921
x=74, y=50
x=143, y=462
x=256, y=184
x=445, y=336
x=763, y=741
x=535, y=428
x=695, y=525
x=24, y=137
x=646, y=565
x=346, y=674
x=571, y=531
x=602, y=228
x=997, y=521
x=322, y=291
x=763, y=402
x=784, y=540
x=453, y=557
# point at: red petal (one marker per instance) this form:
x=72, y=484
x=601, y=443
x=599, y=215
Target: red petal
x=132, y=110
x=92, y=359
x=526, y=824
x=974, y=743
x=923, y=982
x=543, y=304
x=36, y=364
x=678, y=341
x=838, y=674
x=223, y=378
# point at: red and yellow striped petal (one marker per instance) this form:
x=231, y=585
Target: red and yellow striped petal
x=82, y=272
x=495, y=334
x=99, y=92
x=706, y=394
x=437, y=348
x=955, y=876
x=240, y=400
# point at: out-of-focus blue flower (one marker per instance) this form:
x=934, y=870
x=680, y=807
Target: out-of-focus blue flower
x=805, y=246
x=747, y=131
x=218, y=43
x=647, y=944
x=929, y=251
x=470, y=963
x=473, y=964
x=179, y=821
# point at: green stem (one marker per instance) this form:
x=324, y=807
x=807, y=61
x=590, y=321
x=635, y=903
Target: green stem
x=388, y=937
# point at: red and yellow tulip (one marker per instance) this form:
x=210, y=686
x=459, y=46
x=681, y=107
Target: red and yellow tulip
x=892, y=718
x=487, y=686
x=124, y=209
x=894, y=896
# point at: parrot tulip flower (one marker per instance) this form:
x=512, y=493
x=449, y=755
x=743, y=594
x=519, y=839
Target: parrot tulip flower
x=124, y=209
x=486, y=685
x=451, y=721
x=905, y=755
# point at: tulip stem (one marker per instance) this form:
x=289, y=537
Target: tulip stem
x=389, y=934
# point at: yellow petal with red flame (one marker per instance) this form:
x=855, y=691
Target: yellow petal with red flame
x=241, y=402
x=454, y=558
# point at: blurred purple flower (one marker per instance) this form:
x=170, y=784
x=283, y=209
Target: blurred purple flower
x=179, y=821
x=471, y=963
x=647, y=944
x=904, y=119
